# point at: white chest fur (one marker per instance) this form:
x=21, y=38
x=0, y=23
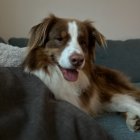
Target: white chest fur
x=62, y=89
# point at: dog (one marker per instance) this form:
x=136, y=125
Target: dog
x=62, y=54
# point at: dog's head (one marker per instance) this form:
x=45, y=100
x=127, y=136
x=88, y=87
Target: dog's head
x=67, y=43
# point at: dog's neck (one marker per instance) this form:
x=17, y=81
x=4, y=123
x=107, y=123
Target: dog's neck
x=61, y=88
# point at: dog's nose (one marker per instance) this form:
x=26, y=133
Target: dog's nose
x=76, y=59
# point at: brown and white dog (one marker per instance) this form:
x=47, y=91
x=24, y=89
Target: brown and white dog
x=62, y=52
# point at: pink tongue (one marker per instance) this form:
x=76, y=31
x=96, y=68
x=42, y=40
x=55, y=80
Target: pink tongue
x=70, y=74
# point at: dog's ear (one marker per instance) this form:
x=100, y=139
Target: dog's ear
x=94, y=35
x=39, y=33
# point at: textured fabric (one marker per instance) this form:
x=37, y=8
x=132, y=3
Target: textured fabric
x=28, y=111
x=121, y=55
x=11, y=56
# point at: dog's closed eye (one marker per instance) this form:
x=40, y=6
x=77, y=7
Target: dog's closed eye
x=59, y=39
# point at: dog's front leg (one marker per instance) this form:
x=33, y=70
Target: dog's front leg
x=128, y=104
x=133, y=121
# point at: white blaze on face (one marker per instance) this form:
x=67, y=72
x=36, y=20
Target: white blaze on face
x=72, y=46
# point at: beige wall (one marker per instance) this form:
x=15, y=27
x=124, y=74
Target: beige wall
x=116, y=19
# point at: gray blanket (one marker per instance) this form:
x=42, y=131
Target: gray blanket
x=28, y=111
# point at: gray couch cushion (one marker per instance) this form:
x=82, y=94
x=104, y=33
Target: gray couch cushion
x=137, y=84
x=121, y=55
x=20, y=42
x=116, y=126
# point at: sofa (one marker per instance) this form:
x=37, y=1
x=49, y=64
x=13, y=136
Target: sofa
x=120, y=55
x=125, y=57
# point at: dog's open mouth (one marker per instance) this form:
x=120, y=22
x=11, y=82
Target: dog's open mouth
x=70, y=74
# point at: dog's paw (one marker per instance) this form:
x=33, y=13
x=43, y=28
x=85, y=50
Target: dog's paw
x=133, y=122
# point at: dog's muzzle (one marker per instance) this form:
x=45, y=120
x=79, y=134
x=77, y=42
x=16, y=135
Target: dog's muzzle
x=77, y=62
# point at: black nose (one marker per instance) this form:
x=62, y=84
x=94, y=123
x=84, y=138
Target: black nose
x=76, y=59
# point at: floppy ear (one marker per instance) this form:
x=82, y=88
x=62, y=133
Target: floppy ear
x=100, y=39
x=39, y=33
x=94, y=35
